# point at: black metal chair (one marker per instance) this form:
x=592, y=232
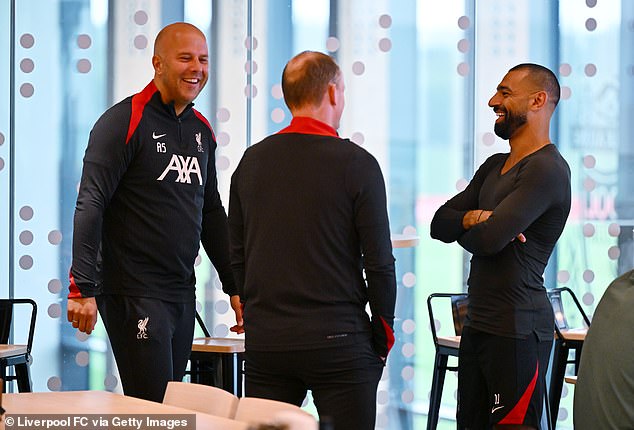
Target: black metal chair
x=18, y=356
x=566, y=339
x=446, y=346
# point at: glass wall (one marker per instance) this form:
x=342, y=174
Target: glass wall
x=418, y=75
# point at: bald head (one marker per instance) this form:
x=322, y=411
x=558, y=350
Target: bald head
x=172, y=32
x=542, y=78
x=306, y=78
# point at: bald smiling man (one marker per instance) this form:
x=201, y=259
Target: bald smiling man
x=148, y=196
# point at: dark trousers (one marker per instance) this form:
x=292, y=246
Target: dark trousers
x=343, y=381
x=151, y=341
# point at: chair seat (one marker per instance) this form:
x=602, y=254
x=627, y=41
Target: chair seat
x=7, y=351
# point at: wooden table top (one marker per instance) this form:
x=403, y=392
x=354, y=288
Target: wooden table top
x=404, y=240
x=575, y=334
x=80, y=403
x=218, y=344
x=450, y=341
x=11, y=350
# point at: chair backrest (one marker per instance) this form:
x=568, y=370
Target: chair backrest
x=458, y=302
x=6, y=318
x=556, y=297
x=202, y=325
x=201, y=398
x=254, y=410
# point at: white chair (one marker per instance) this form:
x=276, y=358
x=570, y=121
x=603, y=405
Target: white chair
x=201, y=398
x=254, y=410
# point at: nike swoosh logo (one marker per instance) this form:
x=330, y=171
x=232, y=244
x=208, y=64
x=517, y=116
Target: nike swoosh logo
x=495, y=409
x=158, y=136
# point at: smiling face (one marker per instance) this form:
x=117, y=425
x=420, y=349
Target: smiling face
x=180, y=64
x=510, y=104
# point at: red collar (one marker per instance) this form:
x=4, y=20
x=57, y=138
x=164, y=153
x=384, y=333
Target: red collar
x=307, y=125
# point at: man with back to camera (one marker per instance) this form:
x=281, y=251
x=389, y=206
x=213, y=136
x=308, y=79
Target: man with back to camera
x=509, y=217
x=148, y=196
x=307, y=216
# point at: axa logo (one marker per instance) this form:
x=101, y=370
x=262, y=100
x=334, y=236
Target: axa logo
x=184, y=167
x=142, y=325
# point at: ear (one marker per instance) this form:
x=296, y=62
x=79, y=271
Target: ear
x=332, y=94
x=540, y=99
x=156, y=63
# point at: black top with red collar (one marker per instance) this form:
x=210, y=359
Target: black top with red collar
x=307, y=219
x=148, y=196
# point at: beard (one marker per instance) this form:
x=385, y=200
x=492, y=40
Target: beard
x=507, y=127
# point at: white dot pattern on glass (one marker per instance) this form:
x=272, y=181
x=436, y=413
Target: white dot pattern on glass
x=222, y=162
x=407, y=373
x=591, y=24
x=27, y=40
x=221, y=330
x=277, y=115
x=382, y=397
x=358, y=138
x=566, y=93
x=1, y=139
x=27, y=90
x=463, y=45
x=54, y=383
x=26, y=213
x=408, y=349
x=26, y=262
x=565, y=69
x=385, y=44
x=614, y=229
x=409, y=326
x=614, y=253
x=54, y=310
x=587, y=299
x=223, y=114
x=588, y=230
x=589, y=161
x=251, y=43
x=276, y=92
x=81, y=336
x=55, y=237
x=54, y=286
x=250, y=91
x=488, y=139
x=385, y=21
x=590, y=70
x=409, y=279
x=26, y=237
x=84, y=41
x=223, y=138
x=464, y=22
x=27, y=65
x=589, y=184
x=563, y=276
x=461, y=184
x=588, y=275
x=197, y=261
x=140, y=17
x=140, y=42
x=358, y=68
x=332, y=44
x=1, y=163
x=591, y=3
x=221, y=307
x=407, y=396
x=111, y=382
x=82, y=358
x=463, y=69
x=84, y=65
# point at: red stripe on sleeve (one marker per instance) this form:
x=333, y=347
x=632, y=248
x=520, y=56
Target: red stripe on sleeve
x=74, y=291
x=139, y=101
x=389, y=335
x=203, y=119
